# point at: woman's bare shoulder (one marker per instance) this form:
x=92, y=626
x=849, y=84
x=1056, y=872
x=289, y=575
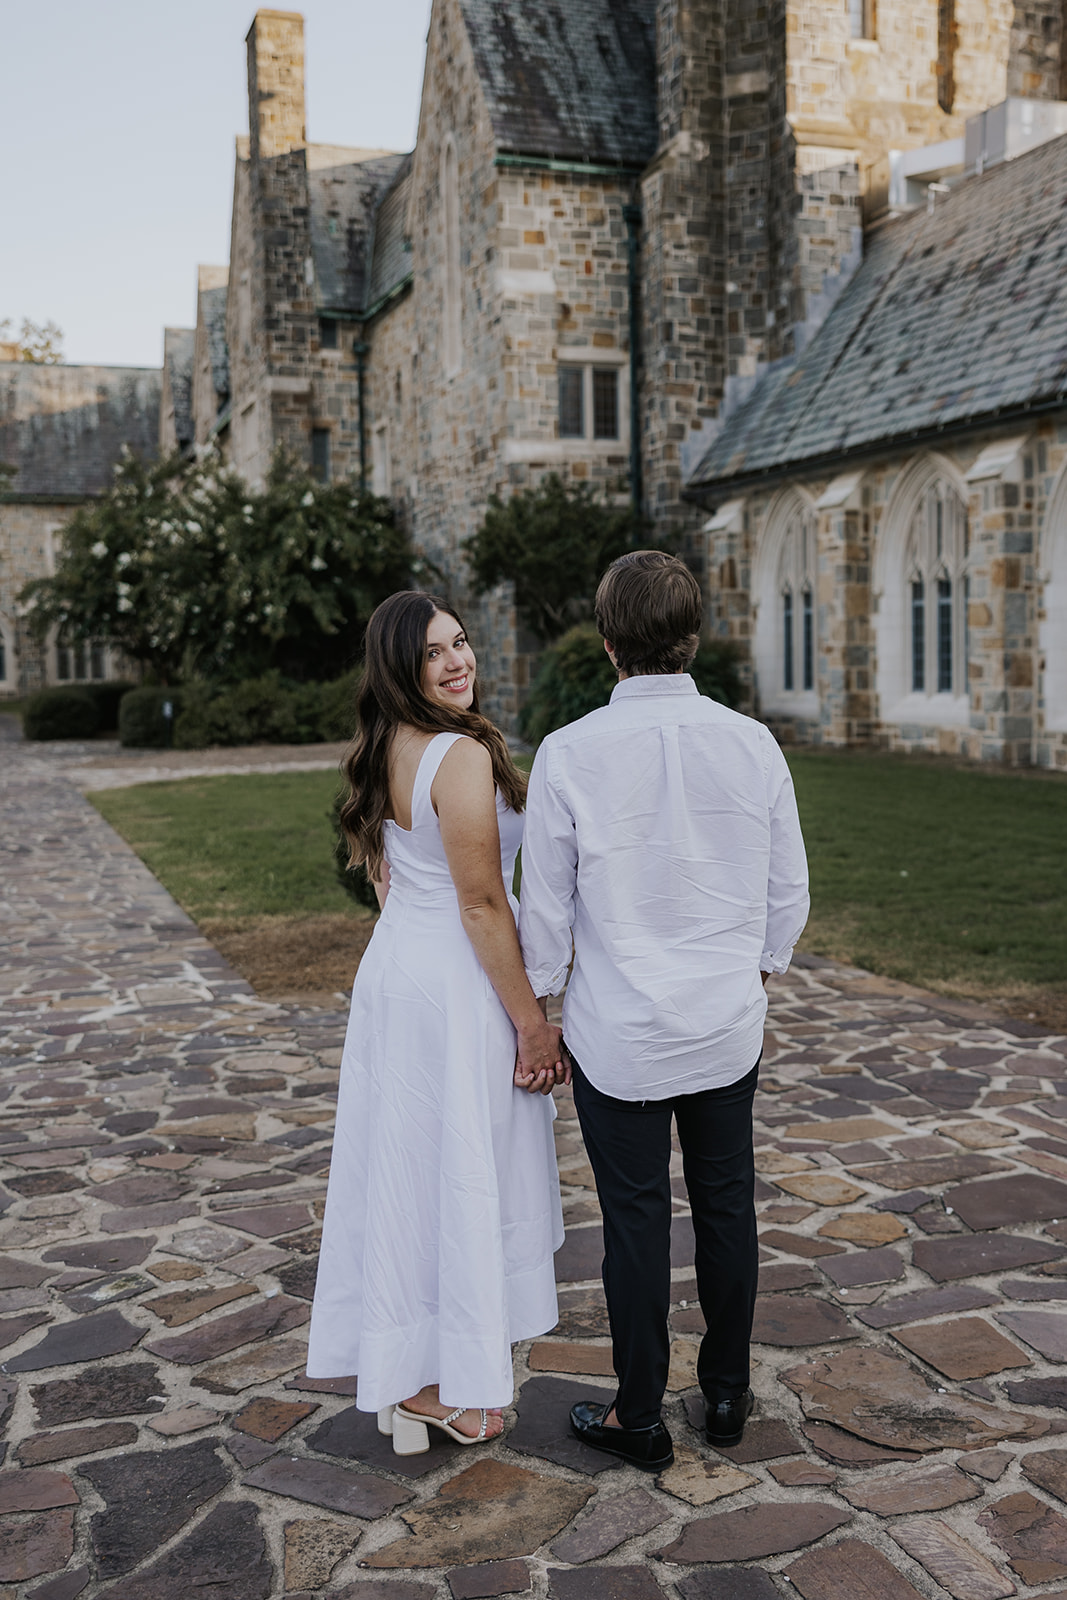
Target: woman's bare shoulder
x=465, y=771
x=467, y=757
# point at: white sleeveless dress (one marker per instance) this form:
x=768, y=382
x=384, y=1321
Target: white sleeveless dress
x=443, y=1208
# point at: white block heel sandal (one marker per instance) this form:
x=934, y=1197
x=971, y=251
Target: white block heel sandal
x=385, y=1420
x=411, y=1435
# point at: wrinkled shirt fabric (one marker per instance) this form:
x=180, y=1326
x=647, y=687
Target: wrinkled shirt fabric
x=662, y=835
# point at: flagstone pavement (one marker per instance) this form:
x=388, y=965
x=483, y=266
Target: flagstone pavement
x=164, y=1140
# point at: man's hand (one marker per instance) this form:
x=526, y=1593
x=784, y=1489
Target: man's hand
x=539, y=1064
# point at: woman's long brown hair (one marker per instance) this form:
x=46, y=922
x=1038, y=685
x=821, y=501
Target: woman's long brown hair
x=391, y=693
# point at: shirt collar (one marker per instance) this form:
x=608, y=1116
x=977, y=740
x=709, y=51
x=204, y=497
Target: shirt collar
x=654, y=683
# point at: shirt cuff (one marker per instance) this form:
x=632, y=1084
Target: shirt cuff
x=544, y=982
x=774, y=961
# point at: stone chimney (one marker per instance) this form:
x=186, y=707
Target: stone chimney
x=276, y=83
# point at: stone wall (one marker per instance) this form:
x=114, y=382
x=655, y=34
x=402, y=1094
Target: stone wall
x=27, y=534
x=208, y=361
x=1038, y=63
x=865, y=96
x=683, y=254
x=1014, y=648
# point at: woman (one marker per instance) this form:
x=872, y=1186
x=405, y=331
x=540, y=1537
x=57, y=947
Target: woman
x=443, y=1207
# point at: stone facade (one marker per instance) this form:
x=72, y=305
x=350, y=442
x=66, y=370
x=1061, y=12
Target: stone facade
x=1037, y=66
x=210, y=394
x=1008, y=702
x=888, y=538
x=63, y=429
x=176, y=408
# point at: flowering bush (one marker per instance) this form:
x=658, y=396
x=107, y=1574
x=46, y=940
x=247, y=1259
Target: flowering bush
x=184, y=568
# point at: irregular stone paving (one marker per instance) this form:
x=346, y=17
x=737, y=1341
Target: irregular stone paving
x=164, y=1139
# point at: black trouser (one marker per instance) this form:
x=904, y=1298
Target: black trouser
x=629, y=1147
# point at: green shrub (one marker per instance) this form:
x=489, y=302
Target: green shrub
x=576, y=676
x=60, y=714
x=715, y=671
x=258, y=711
x=337, y=710
x=107, y=697
x=142, y=724
x=353, y=880
x=266, y=710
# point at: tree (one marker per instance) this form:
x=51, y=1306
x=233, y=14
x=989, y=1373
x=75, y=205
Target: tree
x=40, y=342
x=552, y=543
x=184, y=568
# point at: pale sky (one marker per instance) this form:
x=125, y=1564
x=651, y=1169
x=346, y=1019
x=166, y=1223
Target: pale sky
x=117, y=127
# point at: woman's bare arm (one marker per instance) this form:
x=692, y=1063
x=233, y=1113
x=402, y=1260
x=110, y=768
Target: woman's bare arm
x=464, y=798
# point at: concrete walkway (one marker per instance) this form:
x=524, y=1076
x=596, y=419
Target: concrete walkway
x=164, y=1138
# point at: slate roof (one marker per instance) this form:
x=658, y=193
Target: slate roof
x=569, y=79
x=178, y=346
x=344, y=187
x=390, y=253
x=64, y=427
x=954, y=317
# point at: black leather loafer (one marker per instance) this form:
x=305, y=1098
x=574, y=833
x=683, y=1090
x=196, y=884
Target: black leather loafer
x=725, y=1422
x=648, y=1448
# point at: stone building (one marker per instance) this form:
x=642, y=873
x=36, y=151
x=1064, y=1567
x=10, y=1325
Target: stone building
x=62, y=431
x=176, y=400
x=620, y=217
x=889, y=537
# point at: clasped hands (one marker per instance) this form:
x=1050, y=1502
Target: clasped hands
x=541, y=1061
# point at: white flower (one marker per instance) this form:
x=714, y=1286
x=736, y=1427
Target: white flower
x=246, y=511
x=124, y=604
x=317, y=564
x=123, y=588
x=123, y=560
x=192, y=527
x=308, y=500
x=99, y=550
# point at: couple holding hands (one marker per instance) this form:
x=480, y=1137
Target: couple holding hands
x=661, y=851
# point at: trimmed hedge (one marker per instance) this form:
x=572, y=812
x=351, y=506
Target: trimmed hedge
x=64, y=713
x=266, y=711
x=142, y=724
x=575, y=677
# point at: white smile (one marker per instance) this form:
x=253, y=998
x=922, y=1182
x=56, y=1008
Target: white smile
x=456, y=685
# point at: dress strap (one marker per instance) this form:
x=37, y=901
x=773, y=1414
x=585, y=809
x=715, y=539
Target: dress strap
x=429, y=762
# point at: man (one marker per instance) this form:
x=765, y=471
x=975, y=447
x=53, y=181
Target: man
x=662, y=836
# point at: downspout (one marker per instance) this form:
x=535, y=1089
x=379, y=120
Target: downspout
x=359, y=350
x=632, y=217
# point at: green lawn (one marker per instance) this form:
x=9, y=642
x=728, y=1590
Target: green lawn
x=936, y=874
x=948, y=877
x=236, y=846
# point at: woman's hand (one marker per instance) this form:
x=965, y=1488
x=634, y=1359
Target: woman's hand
x=539, y=1064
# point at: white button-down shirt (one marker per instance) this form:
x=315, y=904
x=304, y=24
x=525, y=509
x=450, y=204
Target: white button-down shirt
x=662, y=834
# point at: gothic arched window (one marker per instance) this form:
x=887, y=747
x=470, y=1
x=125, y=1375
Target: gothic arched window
x=796, y=599
x=936, y=593
x=451, y=343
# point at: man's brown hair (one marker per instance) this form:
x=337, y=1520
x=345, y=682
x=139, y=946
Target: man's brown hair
x=649, y=610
